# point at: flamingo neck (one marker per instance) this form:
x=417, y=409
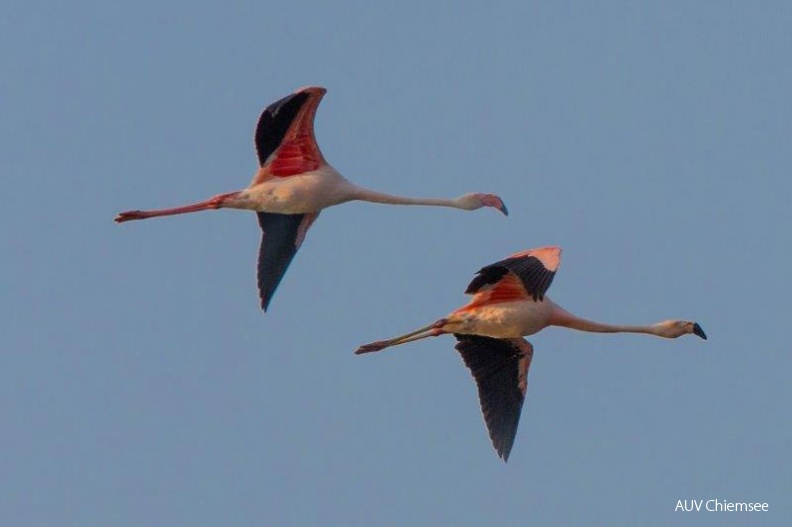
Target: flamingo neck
x=561, y=317
x=372, y=196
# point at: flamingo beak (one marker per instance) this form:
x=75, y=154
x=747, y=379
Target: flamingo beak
x=491, y=200
x=698, y=331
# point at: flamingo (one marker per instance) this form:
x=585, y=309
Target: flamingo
x=509, y=302
x=293, y=184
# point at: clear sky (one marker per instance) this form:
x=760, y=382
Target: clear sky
x=141, y=385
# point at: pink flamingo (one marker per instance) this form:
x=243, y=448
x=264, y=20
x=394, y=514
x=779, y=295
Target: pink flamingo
x=508, y=302
x=293, y=184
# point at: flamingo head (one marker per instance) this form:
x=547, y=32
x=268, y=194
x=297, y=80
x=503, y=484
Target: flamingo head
x=477, y=201
x=672, y=329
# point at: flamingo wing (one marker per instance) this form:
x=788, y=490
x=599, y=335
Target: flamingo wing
x=500, y=369
x=282, y=235
x=285, y=141
x=534, y=268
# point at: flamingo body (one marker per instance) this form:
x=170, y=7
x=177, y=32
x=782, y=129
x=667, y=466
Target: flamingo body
x=293, y=184
x=503, y=320
x=299, y=194
x=509, y=302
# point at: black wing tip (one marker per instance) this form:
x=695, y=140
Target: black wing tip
x=698, y=331
x=265, y=297
x=267, y=291
x=503, y=440
x=264, y=304
x=503, y=452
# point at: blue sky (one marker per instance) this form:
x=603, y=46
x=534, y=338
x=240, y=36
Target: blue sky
x=141, y=385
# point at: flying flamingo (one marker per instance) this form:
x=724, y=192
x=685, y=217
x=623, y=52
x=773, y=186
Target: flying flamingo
x=293, y=184
x=508, y=302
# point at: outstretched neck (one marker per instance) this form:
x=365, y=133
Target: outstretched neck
x=563, y=318
x=372, y=196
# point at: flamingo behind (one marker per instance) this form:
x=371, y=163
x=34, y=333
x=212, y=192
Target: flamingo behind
x=293, y=184
x=509, y=302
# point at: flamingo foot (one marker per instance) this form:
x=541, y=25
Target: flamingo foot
x=372, y=347
x=130, y=215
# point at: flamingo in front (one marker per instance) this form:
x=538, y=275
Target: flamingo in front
x=293, y=184
x=509, y=302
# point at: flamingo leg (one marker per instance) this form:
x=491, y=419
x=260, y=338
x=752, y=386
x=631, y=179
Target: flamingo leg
x=210, y=204
x=432, y=330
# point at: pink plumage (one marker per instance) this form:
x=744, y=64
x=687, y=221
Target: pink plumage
x=509, y=302
x=293, y=184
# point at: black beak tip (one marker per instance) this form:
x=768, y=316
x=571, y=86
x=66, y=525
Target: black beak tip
x=503, y=209
x=698, y=331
